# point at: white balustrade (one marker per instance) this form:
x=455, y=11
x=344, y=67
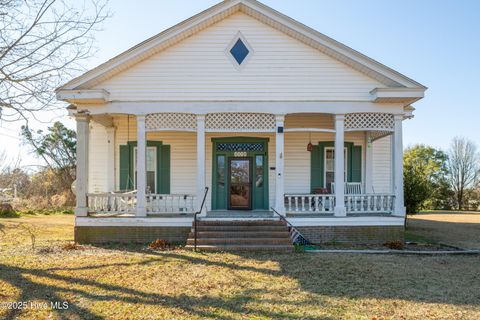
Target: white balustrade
x=354, y=203
x=102, y=203
x=125, y=203
x=310, y=203
x=369, y=203
x=171, y=203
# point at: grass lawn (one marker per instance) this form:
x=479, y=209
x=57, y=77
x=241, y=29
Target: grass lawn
x=133, y=282
x=452, y=228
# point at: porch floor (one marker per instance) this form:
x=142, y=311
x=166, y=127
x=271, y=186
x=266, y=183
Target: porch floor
x=240, y=214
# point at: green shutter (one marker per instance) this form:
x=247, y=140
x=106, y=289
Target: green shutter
x=356, y=164
x=164, y=178
x=316, y=168
x=125, y=179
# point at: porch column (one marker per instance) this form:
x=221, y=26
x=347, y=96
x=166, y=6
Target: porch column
x=279, y=164
x=81, y=185
x=339, y=178
x=399, y=208
x=141, y=166
x=368, y=164
x=201, y=182
x=110, y=159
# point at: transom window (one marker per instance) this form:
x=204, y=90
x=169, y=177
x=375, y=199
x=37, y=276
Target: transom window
x=239, y=147
x=329, y=172
x=151, y=168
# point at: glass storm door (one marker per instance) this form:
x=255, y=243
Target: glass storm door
x=240, y=184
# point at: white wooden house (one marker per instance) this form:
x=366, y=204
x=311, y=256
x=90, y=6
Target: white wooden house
x=258, y=107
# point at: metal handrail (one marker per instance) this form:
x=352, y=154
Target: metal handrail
x=290, y=226
x=195, y=219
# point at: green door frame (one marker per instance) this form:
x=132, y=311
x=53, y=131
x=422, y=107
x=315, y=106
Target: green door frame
x=220, y=194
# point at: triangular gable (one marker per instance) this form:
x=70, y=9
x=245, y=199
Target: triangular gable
x=259, y=11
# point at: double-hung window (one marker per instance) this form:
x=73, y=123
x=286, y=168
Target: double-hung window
x=151, y=168
x=329, y=172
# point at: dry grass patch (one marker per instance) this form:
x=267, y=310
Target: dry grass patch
x=456, y=229
x=133, y=282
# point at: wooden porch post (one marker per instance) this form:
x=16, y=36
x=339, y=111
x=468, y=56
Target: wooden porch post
x=339, y=178
x=81, y=185
x=141, y=166
x=399, y=208
x=110, y=159
x=368, y=164
x=201, y=182
x=279, y=164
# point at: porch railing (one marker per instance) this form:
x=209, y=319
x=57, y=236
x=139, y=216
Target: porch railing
x=354, y=203
x=110, y=202
x=310, y=203
x=370, y=203
x=170, y=203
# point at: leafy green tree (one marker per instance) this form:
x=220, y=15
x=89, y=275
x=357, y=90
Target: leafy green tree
x=425, y=172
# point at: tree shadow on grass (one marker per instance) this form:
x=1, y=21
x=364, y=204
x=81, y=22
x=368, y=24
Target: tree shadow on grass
x=53, y=286
x=432, y=279
x=418, y=279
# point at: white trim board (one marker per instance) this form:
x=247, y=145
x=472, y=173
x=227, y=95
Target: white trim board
x=187, y=221
x=346, y=221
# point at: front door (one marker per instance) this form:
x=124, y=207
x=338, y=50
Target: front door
x=240, y=184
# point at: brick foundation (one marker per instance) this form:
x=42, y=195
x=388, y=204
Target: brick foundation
x=317, y=234
x=353, y=235
x=131, y=234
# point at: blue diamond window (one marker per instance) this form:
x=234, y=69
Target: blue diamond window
x=239, y=51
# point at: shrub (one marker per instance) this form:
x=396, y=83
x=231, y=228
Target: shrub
x=394, y=245
x=160, y=244
x=7, y=211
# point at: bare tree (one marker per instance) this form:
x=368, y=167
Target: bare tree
x=42, y=43
x=464, y=167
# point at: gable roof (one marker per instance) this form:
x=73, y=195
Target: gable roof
x=259, y=11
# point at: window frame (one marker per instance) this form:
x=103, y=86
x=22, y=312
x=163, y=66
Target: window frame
x=134, y=162
x=345, y=170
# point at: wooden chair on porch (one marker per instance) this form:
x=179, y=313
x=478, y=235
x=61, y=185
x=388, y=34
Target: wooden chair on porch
x=350, y=188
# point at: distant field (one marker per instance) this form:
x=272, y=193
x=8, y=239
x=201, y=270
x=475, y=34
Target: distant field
x=133, y=282
x=460, y=229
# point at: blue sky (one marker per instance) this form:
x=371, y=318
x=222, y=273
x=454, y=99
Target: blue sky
x=436, y=43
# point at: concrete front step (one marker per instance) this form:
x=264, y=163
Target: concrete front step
x=251, y=235
x=241, y=234
x=241, y=241
x=240, y=223
x=275, y=248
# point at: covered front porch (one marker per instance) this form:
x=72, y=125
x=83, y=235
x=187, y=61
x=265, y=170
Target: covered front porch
x=172, y=157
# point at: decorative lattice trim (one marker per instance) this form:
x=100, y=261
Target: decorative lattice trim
x=369, y=121
x=170, y=121
x=240, y=122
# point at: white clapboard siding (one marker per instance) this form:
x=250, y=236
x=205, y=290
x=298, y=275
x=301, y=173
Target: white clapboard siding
x=97, y=159
x=280, y=68
x=297, y=158
x=382, y=170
